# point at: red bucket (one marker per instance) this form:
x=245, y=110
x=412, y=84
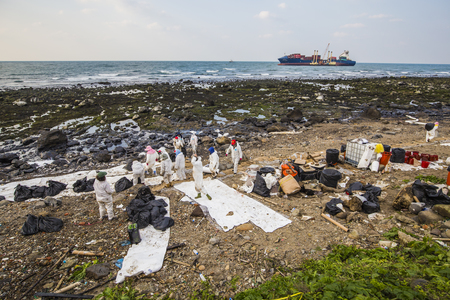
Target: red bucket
x=425, y=164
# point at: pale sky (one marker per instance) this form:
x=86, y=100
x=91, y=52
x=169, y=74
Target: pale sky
x=374, y=31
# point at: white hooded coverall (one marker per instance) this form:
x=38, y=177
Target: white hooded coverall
x=178, y=144
x=180, y=165
x=166, y=170
x=236, y=155
x=151, y=162
x=214, y=163
x=138, y=172
x=194, y=142
x=103, y=193
x=197, y=173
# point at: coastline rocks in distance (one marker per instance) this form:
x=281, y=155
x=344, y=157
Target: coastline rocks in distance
x=53, y=139
x=371, y=113
x=103, y=156
x=296, y=115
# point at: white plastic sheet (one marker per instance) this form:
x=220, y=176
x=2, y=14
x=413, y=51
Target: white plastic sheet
x=147, y=256
x=226, y=199
x=114, y=174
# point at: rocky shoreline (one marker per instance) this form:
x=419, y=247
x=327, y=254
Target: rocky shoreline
x=114, y=125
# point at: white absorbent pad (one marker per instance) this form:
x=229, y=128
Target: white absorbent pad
x=147, y=256
x=230, y=208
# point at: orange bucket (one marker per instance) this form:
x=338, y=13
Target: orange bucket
x=385, y=158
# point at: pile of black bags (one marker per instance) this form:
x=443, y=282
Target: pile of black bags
x=35, y=224
x=145, y=209
x=22, y=192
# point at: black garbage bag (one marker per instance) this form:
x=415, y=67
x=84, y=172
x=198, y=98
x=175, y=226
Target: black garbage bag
x=35, y=224
x=22, y=193
x=331, y=207
x=429, y=194
x=50, y=224
x=38, y=191
x=370, y=207
x=83, y=185
x=398, y=155
x=330, y=177
x=145, y=194
x=163, y=223
x=139, y=212
x=31, y=225
x=355, y=186
x=376, y=191
x=54, y=188
x=260, y=186
x=429, y=126
x=122, y=184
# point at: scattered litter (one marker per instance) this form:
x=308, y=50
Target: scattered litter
x=306, y=218
x=125, y=243
x=375, y=216
x=119, y=263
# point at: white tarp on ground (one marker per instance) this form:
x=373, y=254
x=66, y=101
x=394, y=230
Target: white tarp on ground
x=147, y=256
x=114, y=174
x=230, y=208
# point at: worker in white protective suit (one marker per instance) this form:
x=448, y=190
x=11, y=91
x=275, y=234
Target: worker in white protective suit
x=193, y=142
x=138, y=172
x=103, y=193
x=152, y=158
x=166, y=169
x=213, y=161
x=197, y=172
x=180, y=165
x=431, y=131
x=236, y=154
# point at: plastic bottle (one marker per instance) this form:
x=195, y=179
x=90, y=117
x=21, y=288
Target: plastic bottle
x=202, y=277
x=195, y=252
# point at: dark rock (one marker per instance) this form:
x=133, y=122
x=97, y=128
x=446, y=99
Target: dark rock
x=442, y=210
x=97, y=271
x=8, y=158
x=128, y=165
x=2, y=198
x=103, y=156
x=60, y=162
x=49, y=155
x=429, y=217
x=276, y=127
x=29, y=141
x=82, y=159
x=72, y=143
x=54, y=139
x=17, y=163
x=371, y=113
x=295, y=115
x=119, y=149
x=435, y=232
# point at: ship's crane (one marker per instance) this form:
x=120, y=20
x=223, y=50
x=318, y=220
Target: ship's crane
x=323, y=56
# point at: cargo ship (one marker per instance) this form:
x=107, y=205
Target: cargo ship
x=298, y=59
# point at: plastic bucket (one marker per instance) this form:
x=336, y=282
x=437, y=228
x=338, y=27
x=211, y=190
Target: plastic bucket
x=387, y=148
x=425, y=164
x=385, y=158
x=332, y=156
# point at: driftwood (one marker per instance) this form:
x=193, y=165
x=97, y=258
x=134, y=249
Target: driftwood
x=334, y=222
x=47, y=272
x=89, y=253
x=327, y=189
x=68, y=288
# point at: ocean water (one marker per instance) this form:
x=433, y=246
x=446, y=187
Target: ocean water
x=90, y=73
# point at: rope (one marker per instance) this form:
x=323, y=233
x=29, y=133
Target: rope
x=289, y=297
